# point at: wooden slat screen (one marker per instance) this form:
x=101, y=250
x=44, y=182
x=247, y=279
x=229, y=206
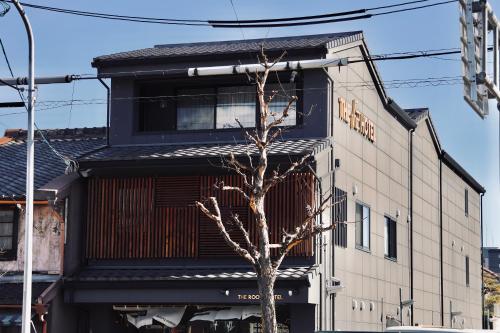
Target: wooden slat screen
x=155, y=217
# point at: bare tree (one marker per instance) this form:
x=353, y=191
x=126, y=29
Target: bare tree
x=257, y=181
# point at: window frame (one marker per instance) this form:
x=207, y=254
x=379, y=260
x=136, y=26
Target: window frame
x=299, y=121
x=11, y=255
x=387, y=241
x=361, y=246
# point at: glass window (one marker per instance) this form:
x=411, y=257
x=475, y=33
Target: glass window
x=466, y=202
x=7, y=234
x=390, y=234
x=195, y=109
x=467, y=277
x=362, y=226
x=284, y=92
x=236, y=103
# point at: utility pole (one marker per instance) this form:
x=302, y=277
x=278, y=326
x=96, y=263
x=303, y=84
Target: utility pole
x=28, y=219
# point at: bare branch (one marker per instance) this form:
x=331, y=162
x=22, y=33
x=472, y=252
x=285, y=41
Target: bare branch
x=236, y=189
x=278, y=178
x=251, y=247
x=217, y=218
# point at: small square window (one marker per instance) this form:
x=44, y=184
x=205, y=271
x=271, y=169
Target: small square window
x=466, y=202
x=362, y=226
x=467, y=277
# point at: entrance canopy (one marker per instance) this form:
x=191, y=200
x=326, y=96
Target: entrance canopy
x=168, y=316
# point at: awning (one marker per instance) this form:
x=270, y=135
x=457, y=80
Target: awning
x=234, y=312
x=170, y=317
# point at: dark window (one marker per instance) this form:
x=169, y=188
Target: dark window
x=390, y=238
x=467, y=277
x=466, y=202
x=362, y=220
x=8, y=234
x=340, y=218
x=195, y=109
x=210, y=108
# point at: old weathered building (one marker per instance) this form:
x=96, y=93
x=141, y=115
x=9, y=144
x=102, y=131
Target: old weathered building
x=49, y=220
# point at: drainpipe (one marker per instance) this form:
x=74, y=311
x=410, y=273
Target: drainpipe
x=482, y=262
x=332, y=170
x=441, y=270
x=108, y=108
x=410, y=217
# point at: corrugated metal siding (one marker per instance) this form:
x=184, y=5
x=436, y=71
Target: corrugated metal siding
x=155, y=217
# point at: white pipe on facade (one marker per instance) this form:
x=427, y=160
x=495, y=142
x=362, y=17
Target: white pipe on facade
x=256, y=68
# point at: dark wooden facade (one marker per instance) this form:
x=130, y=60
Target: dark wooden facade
x=155, y=217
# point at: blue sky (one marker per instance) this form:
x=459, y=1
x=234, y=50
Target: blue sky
x=66, y=45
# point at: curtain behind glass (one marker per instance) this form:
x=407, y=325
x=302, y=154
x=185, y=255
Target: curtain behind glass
x=280, y=101
x=235, y=102
x=195, y=109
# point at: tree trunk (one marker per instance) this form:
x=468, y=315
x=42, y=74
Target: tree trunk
x=266, y=291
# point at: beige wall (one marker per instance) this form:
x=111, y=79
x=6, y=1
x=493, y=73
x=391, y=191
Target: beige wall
x=46, y=243
x=380, y=172
x=461, y=237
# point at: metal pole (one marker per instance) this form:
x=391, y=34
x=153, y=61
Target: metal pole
x=28, y=220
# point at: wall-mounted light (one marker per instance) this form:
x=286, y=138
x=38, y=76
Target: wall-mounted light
x=354, y=304
x=337, y=163
x=225, y=292
x=398, y=213
x=290, y=292
x=361, y=306
x=372, y=306
x=354, y=189
x=452, y=243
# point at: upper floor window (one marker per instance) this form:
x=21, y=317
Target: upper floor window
x=212, y=108
x=390, y=238
x=362, y=226
x=8, y=234
x=466, y=202
x=339, y=210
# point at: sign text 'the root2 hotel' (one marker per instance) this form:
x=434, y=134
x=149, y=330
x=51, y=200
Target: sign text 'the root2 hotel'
x=356, y=119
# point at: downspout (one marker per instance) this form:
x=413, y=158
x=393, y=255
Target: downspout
x=108, y=108
x=441, y=270
x=482, y=263
x=321, y=248
x=332, y=170
x=410, y=217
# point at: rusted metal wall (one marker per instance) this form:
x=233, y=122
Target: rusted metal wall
x=155, y=217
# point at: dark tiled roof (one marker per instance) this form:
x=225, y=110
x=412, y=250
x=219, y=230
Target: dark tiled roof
x=181, y=151
x=185, y=274
x=70, y=142
x=12, y=293
x=417, y=114
x=233, y=46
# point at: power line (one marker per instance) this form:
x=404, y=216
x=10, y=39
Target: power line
x=260, y=23
x=315, y=22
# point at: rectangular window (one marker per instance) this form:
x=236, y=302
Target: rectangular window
x=195, y=109
x=340, y=218
x=466, y=202
x=467, y=278
x=362, y=226
x=390, y=238
x=235, y=103
x=280, y=101
x=8, y=234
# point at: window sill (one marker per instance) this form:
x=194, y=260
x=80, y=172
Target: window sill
x=391, y=258
x=364, y=249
